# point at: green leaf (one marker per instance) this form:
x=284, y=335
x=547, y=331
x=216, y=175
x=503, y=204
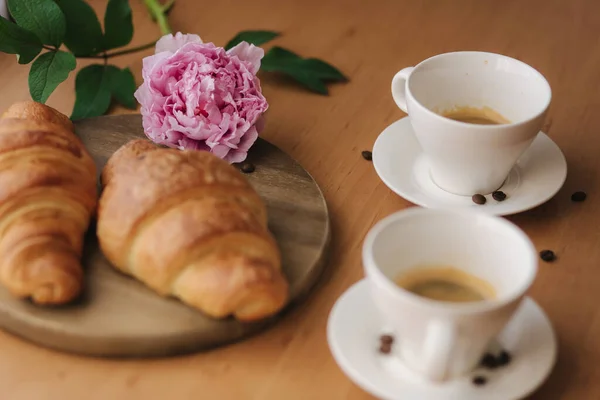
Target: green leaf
x=84, y=34
x=282, y=54
x=278, y=56
x=16, y=40
x=118, y=26
x=253, y=37
x=42, y=17
x=281, y=60
x=47, y=72
x=122, y=86
x=324, y=70
x=310, y=72
x=307, y=79
x=92, y=92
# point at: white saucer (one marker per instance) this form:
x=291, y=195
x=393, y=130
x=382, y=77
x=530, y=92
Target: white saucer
x=402, y=166
x=353, y=332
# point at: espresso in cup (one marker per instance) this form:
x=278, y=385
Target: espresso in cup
x=445, y=302
x=504, y=102
x=474, y=115
x=445, y=284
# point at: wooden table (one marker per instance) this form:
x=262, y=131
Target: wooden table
x=369, y=41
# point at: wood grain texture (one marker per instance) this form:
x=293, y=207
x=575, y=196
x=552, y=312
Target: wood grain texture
x=370, y=42
x=118, y=316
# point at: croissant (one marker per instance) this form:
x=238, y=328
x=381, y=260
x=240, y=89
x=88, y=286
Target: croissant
x=189, y=225
x=48, y=193
x=38, y=112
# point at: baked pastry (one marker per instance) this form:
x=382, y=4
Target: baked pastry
x=189, y=225
x=38, y=112
x=48, y=193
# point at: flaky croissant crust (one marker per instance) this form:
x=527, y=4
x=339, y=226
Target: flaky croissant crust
x=48, y=194
x=189, y=225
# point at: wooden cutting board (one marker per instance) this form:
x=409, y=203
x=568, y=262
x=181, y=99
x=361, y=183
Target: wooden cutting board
x=118, y=316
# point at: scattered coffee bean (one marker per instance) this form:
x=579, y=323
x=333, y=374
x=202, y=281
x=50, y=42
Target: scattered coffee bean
x=385, y=348
x=386, y=339
x=248, y=167
x=367, y=155
x=480, y=380
x=489, y=361
x=578, y=196
x=547, y=255
x=504, y=358
x=499, y=195
x=478, y=199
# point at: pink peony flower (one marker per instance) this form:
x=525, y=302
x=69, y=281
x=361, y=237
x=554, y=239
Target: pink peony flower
x=199, y=96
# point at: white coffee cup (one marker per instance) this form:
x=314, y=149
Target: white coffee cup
x=465, y=158
x=444, y=340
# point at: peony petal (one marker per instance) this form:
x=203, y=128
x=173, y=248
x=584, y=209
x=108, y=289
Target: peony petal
x=248, y=139
x=249, y=53
x=220, y=151
x=197, y=96
x=150, y=62
x=236, y=156
x=170, y=43
x=189, y=144
x=141, y=94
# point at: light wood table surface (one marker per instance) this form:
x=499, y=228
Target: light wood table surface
x=369, y=41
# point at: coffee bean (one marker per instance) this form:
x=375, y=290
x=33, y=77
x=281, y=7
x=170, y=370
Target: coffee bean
x=489, y=361
x=499, y=195
x=478, y=199
x=367, y=155
x=480, y=380
x=504, y=358
x=578, y=196
x=547, y=255
x=248, y=167
x=386, y=339
x=385, y=348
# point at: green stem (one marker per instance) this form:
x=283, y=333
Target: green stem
x=121, y=52
x=167, y=6
x=157, y=11
x=131, y=50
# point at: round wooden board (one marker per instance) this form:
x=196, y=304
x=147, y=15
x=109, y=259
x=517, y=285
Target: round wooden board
x=118, y=317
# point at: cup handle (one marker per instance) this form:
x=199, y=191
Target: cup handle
x=399, y=87
x=439, y=340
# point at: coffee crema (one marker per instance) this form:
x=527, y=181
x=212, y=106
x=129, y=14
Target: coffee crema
x=473, y=115
x=447, y=284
